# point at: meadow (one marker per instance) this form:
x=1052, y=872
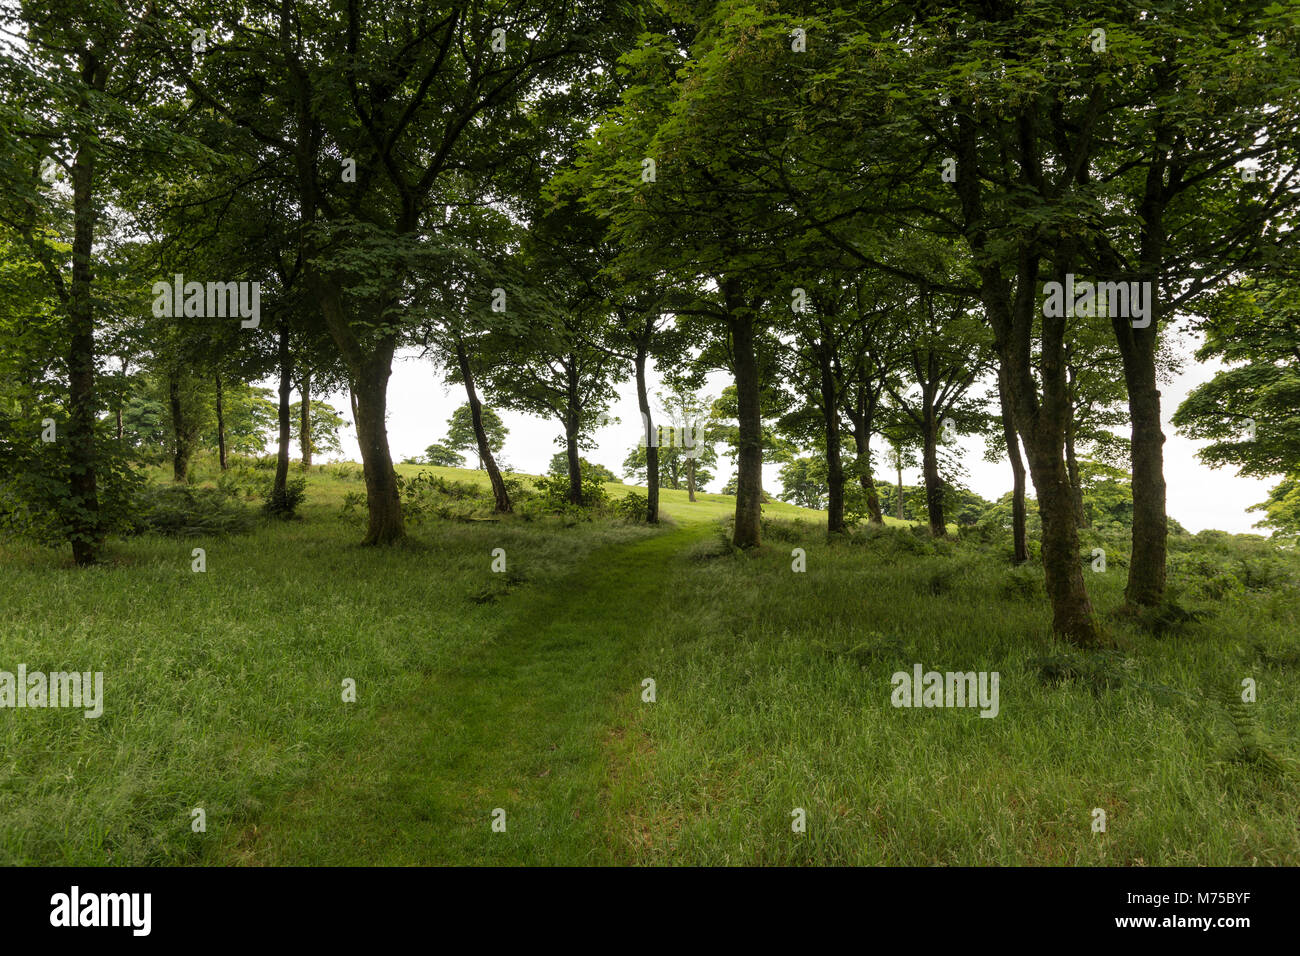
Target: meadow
x=522, y=690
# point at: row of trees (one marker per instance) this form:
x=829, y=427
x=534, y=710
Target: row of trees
x=856, y=213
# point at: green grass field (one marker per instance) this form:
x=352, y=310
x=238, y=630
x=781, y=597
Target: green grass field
x=522, y=691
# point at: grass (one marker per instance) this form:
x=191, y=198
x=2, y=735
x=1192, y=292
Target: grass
x=523, y=691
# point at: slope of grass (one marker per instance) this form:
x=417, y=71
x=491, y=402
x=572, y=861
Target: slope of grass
x=522, y=691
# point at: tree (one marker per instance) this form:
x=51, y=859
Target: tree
x=804, y=483
x=1046, y=151
x=1250, y=410
x=249, y=414
x=324, y=424
x=462, y=436
x=1281, y=509
x=560, y=467
x=677, y=182
x=943, y=350
x=375, y=120
x=561, y=368
x=82, y=81
x=671, y=460
x=443, y=457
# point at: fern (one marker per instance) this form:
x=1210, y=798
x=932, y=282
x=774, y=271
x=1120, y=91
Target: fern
x=1252, y=747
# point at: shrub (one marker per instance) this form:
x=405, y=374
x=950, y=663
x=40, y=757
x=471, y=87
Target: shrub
x=284, y=504
x=553, y=491
x=352, y=502
x=783, y=529
x=1098, y=670
x=242, y=480
x=427, y=494
x=344, y=471
x=632, y=507
x=1024, y=583
x=35, y=499
x=185, y=511
x=1170, y=616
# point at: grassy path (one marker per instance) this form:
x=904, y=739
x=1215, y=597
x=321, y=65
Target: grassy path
x=523, y=722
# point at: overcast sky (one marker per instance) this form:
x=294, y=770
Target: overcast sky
x=419, y=406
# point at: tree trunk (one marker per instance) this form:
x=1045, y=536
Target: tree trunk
x=749, y=454
x=933, y=483
x=500, y=496
x=180, y=430
x=1146, y=573
x=384, y=504
x=690, y=479
x=1041, y=425
x=861, y=417
x=221, y=426
x=304, y=423
x=1072, y=467
x=899, y=509
x=1147, y=561
x=1013, y=312
x=862, y=445
x=1072, y=609
x=1018, y=532
x=369, y=369
x=86, y=533
x=574, y=460
x=118, y=403
x=831, y=423
x=651, y=445
x=279, y=490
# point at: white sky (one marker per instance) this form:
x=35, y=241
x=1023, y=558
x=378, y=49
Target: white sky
x=419, y=406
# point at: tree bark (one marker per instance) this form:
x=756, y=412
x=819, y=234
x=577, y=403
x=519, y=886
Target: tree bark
x=749, y=453
x=1072, y=468
x=862, y=447
x=574, y=462
x=572, y=426
x=1147, y=560
x=501, y=497
x=369, y=369
x=1018, y=532
x=279, y=490
x=1072, y=613
x=1072, y=609
x=899, y=515
x=831, y=423
x=304, y=424
x=933, y=483
x=861, y=414
x=1147, y=563
x=118, y=403
x=384, y=504
x=651, y=445
x=221, y=426
x=86, y=532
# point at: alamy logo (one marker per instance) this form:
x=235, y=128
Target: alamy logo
x=214, y=300
x=689, y=437
x=57, y=689
x=1108, y=300
x=103, y=909
x=951, y=689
